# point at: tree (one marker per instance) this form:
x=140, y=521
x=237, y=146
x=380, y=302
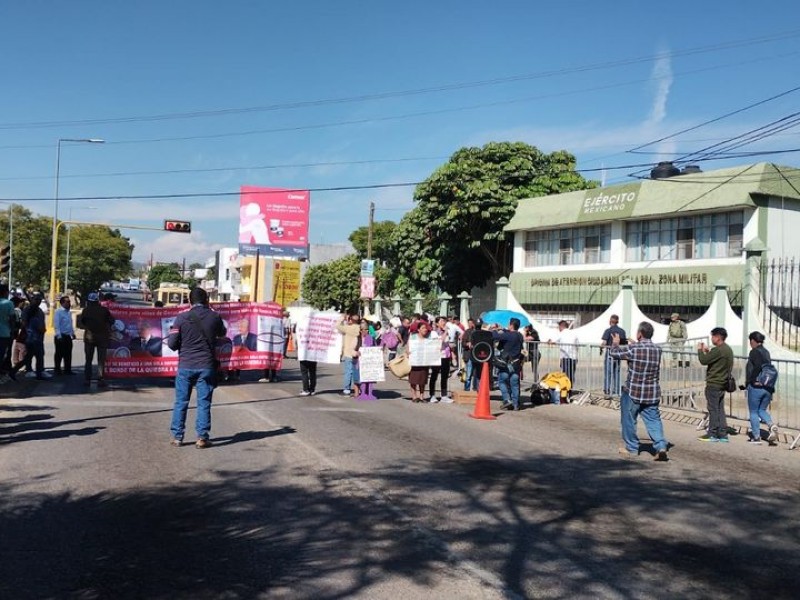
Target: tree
x=381, y=240
x=453, y=238
x=336, y=284
x=32, y=248
x=163, y=272
x=97, y=254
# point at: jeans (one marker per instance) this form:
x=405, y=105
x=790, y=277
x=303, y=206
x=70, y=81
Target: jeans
x=349, y=374
x=758, y=400
x=469, y=367
x=63, y=353
x=555, y=396
x=611, y=375
x=5, y=353
x=34, y=349
x=205, y=381
x=509, y=386
x=308, y=372
x=568, y=368
x=629, y=411
x=717, y=424
x=88, y=349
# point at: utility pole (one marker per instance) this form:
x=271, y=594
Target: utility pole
x=369, y=229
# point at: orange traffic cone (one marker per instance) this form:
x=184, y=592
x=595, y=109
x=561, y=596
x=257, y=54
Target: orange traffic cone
x=482, y=409
x=290, y=347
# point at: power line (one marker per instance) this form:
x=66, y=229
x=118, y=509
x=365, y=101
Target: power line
x=408, y=92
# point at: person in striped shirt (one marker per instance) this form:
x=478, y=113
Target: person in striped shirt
x=642, y=391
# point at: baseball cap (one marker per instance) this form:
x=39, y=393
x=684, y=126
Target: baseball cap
x=93, y=297
x=674, y=316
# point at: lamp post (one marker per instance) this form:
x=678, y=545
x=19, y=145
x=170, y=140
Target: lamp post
x=10, y=244
x=69, y=232
x=54, y=253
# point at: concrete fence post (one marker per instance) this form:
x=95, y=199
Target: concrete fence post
x=444, y=304
x=626, y=318
x=396, y=310
x=463, y=313
x=418, y=303
x=502, y=293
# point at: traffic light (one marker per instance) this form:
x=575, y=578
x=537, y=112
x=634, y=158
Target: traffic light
x=178, y=226
x=5, y=259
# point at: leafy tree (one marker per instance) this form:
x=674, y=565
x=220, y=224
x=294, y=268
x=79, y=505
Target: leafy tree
x=32, y=248
x=453, y=238
x=97, y=254
x=163, y=272
x=196, y=265
x=336, y=284
x=381, y=240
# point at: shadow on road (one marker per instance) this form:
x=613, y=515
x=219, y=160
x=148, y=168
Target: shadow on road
x=251, y=436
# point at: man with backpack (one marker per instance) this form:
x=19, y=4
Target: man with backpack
x=194, y=334
x=760, y=376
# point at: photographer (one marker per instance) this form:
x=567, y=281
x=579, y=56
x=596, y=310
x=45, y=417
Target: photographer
x=509, y=349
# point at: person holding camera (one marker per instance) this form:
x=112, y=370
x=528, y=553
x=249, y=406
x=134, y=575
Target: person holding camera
x=719, y=362
x=509, y=348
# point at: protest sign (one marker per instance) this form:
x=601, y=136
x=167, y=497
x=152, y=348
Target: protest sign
x=138, y=344
x=424, y=352
x=317, y=338
x=370, y=364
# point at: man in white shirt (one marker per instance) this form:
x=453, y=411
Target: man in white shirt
x=567, y=341
x=64, y=334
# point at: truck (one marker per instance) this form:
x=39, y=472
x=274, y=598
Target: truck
x=134, y=284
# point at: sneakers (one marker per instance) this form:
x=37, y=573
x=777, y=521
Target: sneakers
x=42, y=375
x=176, y=442
x=29, y=374
x=506, y=406
x=433, y=400
x=305, y=393
x=723, y=439
x=202, y=443
x=773, y=434
x=708, y=438
x=347, y=392
x=447, y=400
x=627, y=453
x=661, y=456
x=754, y=442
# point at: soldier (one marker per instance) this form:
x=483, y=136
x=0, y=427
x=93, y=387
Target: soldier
x=676, y=337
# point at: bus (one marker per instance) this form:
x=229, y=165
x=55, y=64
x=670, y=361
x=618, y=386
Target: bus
x=172, y=294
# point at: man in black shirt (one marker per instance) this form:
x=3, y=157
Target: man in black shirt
x=193, y=335
x=509, y=348
x=611, y=380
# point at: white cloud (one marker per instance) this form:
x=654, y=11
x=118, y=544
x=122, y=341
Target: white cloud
x=662, y=78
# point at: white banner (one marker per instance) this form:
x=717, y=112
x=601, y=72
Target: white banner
x=370, y=364
x=317, y=338
x=424, y=352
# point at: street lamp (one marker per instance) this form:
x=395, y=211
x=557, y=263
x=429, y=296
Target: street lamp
x=69, y=232
x=54, y=254
x=10, y=244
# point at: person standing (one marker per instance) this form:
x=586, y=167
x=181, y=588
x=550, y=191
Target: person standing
x=64, y=334
x=442, y=372
x=34, y=325
x=418, y=376
x=719, y=362
x=534, y=354
x=351, y=332
x=286, y=323
x=676, y=338
x=193, y=335
x=611, y=365
x=567, y=341
x=509, y=346
x=466, y=353
x=758, y=396
x=6, y=321
x=96, y=321
x=642, y=392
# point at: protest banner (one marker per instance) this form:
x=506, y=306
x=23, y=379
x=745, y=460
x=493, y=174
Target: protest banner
x=318, y=339
x=370, y=364
x=138, y=344
x=425, y=352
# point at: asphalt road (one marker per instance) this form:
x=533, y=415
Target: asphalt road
x=327, y=497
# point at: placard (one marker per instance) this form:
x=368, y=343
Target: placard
x=317, y=338
x=368, y=287
x=424, y=352
x=370, y=364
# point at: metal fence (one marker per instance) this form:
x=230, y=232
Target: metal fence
x=779, y=300
x=682, y=380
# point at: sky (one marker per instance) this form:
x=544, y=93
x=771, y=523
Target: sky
x=201, y=97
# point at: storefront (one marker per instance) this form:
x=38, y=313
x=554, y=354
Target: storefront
x=674, y=238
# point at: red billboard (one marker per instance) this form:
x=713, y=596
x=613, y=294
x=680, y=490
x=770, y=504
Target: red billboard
x=273, y=221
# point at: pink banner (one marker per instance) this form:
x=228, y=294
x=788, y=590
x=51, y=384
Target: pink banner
x=273, y=222
x=138, y=346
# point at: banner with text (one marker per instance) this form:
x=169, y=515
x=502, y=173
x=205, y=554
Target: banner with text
x=424, y=352
x=138, y=346
x=317, y=338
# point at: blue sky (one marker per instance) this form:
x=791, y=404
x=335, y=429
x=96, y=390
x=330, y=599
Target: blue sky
x=85, y=61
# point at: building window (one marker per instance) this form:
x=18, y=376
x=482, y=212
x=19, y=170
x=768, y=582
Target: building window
x=704, y=236
x=568, y=246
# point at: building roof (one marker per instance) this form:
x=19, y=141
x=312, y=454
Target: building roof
x=705, y=191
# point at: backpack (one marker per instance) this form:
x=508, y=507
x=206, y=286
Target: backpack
x=390, y=340
x=767, y=377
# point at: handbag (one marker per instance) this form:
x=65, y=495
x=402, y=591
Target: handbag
x=400, y=366
x=730, y=383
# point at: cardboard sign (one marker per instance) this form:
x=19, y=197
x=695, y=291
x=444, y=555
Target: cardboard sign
x=424, y=352
x=370, y=364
